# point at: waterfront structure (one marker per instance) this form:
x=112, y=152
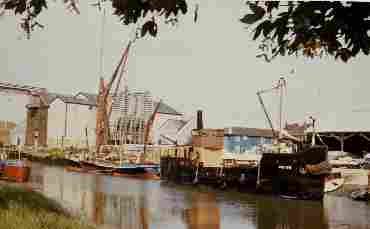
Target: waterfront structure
x=240, y=140
x=208, y=145
x=351, y=141
x=5, y=132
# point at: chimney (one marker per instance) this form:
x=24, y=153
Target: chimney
x=199, y=119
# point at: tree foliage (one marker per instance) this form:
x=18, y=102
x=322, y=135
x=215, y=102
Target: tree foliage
x=128, y=11
x=310, y=28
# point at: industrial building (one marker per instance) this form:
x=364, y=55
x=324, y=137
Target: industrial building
x=71, y=120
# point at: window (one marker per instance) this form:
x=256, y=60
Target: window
x=267, y=140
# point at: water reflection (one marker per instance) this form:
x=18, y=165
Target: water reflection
x=289, y=214
x=203, y=212
x=121, y=203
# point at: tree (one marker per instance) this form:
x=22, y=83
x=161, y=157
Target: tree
x=310, y=28
x=128, y=11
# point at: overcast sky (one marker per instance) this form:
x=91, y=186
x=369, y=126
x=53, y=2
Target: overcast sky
x=210, y=65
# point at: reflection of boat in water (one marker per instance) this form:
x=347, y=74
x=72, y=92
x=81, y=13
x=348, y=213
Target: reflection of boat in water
x=204, y=211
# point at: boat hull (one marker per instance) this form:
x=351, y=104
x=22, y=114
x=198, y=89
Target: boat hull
x=87, y=165
x=16, y=173
x=139, y=169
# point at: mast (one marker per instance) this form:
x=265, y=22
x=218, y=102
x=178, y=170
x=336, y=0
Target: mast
x=149, y=125
x=281, y=107
x=101, y=61
x=104, y=109
x=280, y=86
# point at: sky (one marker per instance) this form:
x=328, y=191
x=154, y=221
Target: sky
x=209, y=65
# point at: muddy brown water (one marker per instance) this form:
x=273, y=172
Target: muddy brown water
x=128, y=203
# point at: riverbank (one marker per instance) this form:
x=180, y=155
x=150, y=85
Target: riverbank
x=21, y=208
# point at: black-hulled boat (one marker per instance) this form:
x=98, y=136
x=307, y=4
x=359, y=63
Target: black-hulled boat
x=299, y=175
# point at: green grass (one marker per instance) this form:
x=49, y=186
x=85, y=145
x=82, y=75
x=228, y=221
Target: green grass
x=22, y=209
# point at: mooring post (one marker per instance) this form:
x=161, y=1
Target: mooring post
x=342, y=143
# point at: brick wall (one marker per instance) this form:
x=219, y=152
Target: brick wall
x=37, y=122
x=208, y=138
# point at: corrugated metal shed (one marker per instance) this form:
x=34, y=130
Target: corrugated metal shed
x=252, y=132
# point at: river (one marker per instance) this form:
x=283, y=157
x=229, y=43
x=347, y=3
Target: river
x=128, y=203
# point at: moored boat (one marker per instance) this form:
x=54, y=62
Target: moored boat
x=130, y=168
x=16, y=170
x=96, y=165
x=333, y=182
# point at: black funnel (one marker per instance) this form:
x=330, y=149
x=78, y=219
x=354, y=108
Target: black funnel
x=199, y=119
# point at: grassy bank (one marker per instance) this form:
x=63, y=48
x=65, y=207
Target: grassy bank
x=23, y=209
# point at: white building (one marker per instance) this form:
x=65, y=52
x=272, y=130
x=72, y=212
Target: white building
x=70, y=117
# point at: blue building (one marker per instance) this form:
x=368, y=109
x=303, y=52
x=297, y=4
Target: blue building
x=239, y=140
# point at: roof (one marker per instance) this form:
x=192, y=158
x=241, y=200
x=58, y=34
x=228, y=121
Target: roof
x=166, y=109
x=51, y=97
x=252, y=132
x=257, y=132
x=92, y=98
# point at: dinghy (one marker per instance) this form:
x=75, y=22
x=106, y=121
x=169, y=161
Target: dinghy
x=333, y=184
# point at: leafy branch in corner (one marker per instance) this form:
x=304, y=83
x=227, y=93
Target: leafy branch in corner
x=29, y=10
x=128, y=11
x=310, y=28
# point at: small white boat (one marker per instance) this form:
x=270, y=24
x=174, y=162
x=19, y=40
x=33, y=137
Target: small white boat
x=333, y=184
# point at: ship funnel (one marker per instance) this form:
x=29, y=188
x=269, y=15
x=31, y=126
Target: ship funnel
x=199, y=119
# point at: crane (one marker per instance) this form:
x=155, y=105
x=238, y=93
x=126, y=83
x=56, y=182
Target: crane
x=281, y=84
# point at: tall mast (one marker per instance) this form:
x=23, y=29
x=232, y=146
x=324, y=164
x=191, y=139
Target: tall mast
x=101, y=61
x=281, y=85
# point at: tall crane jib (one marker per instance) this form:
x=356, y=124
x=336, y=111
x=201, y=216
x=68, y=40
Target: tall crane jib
x=280, y=86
